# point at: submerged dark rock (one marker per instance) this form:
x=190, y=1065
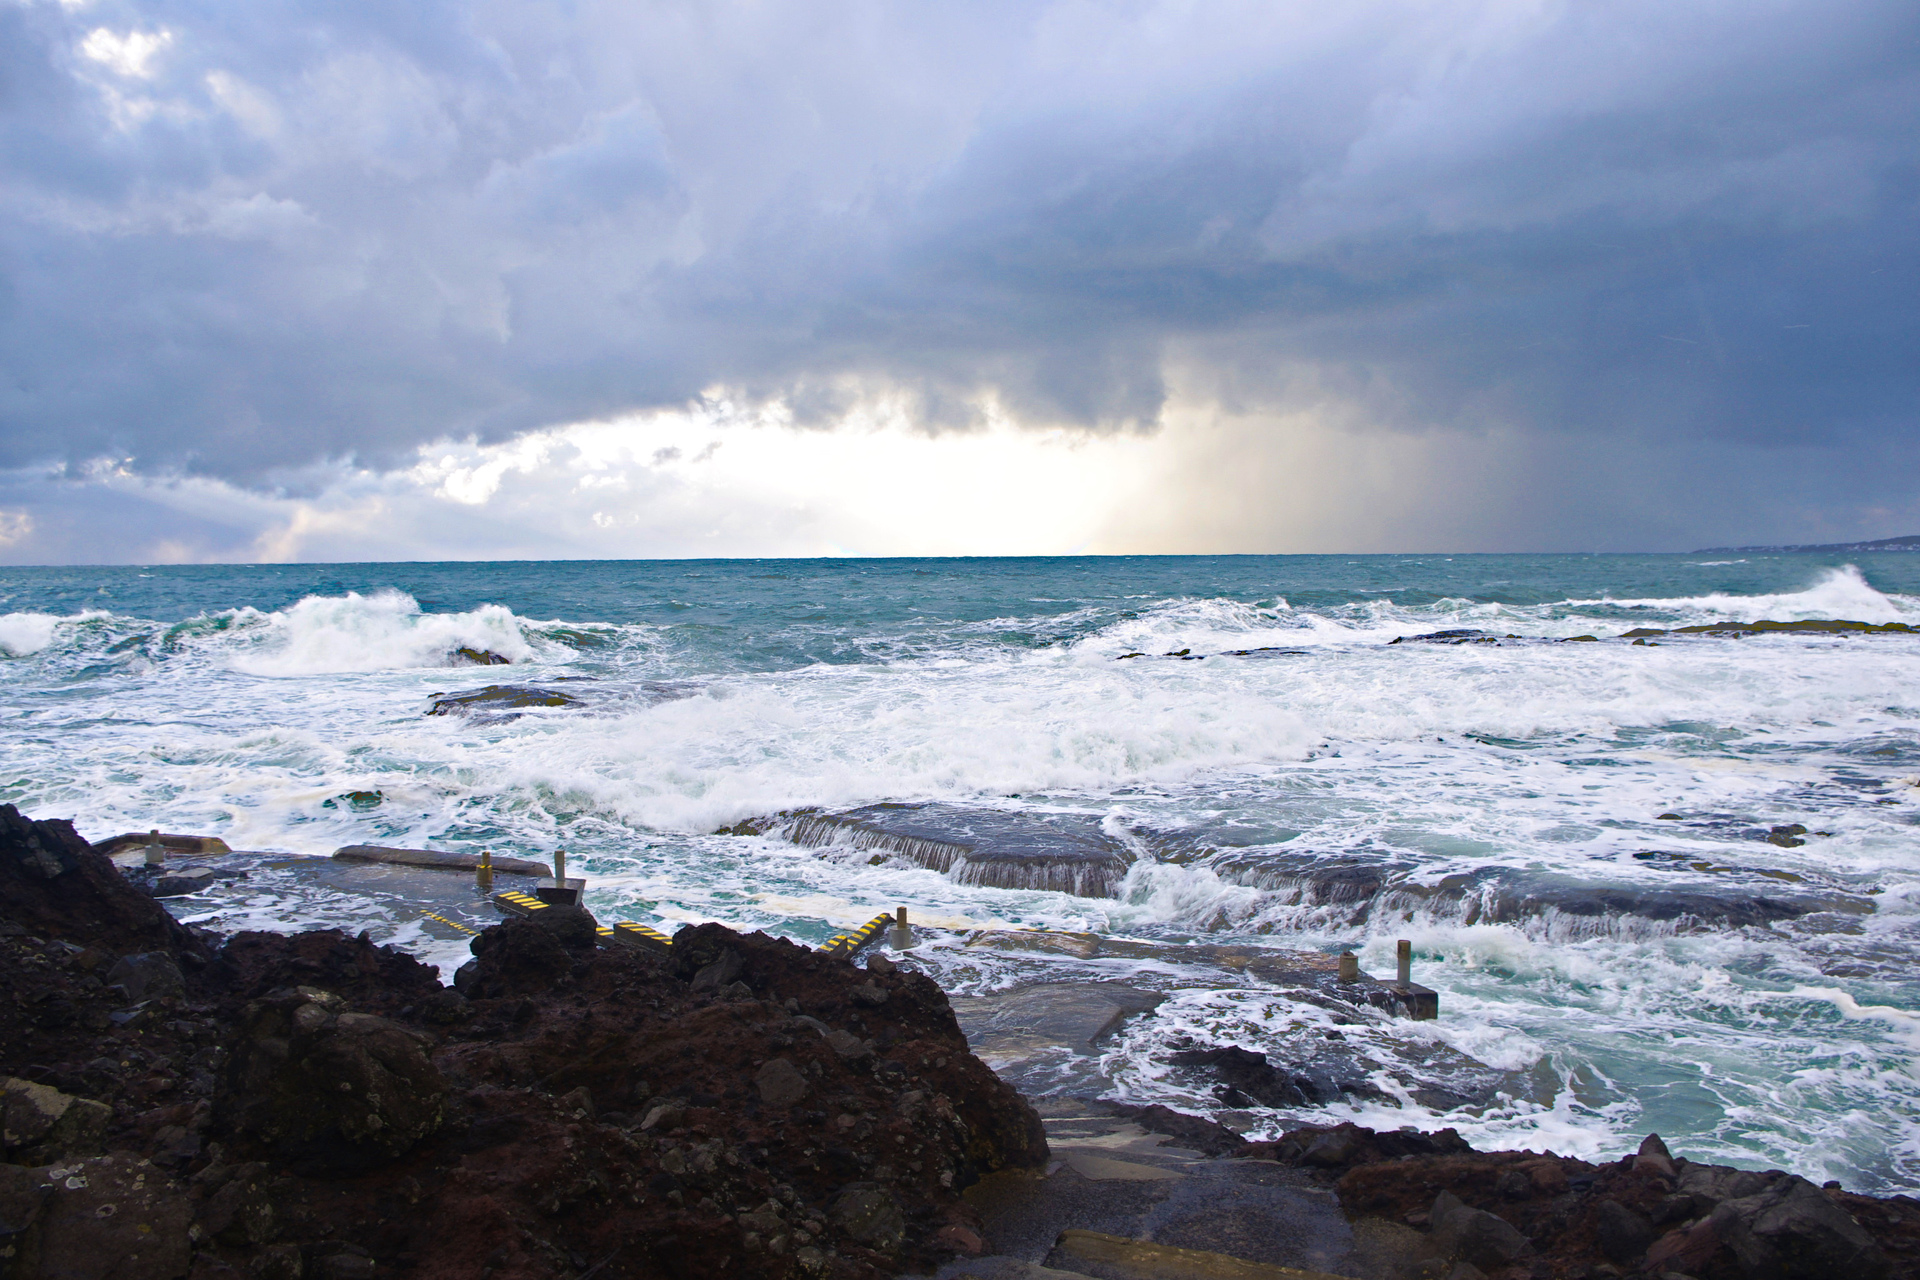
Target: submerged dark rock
x=1064, y=852
x=1457, y=635
x=499, y=701
x=1342, y=889
x=479, y=657
x=1809, y=626
x=1249, y=1078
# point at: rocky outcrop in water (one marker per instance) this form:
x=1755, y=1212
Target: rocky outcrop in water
x=498, y=702
x=471, y=656
x=1736, y=630
x=1810, y=626
x=318, y=1106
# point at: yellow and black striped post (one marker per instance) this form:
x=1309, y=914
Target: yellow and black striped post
x=846, y=944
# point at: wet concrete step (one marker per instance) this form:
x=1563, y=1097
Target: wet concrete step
x=1119, y=1203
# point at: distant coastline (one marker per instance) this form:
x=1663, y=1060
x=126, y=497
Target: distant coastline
x=1909, y=543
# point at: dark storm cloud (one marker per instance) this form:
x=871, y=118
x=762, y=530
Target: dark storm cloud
x=300, y=230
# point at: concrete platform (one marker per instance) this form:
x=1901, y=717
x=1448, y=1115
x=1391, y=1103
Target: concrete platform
x=1119, y=1203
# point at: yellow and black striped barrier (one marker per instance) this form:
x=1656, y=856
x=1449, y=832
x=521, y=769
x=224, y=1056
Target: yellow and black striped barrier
x=516, y=903
x=451, y=924
x=845, y=944
x=629, y=934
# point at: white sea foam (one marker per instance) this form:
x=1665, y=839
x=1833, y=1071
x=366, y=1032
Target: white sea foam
x=25, y=634
x=22, y=634
x=1838, y=593
x=381, y=632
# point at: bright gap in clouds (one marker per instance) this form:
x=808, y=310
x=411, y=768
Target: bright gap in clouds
x=717, y=481
x=697, y=483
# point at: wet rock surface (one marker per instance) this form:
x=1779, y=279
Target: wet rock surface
x=1342, y=891
x=499, y=702
x=315, y=1105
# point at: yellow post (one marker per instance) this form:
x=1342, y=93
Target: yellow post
x=483, y=875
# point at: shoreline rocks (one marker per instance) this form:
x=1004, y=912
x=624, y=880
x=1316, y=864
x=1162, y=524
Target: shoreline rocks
x=314, y=1105
x=1539, y=1215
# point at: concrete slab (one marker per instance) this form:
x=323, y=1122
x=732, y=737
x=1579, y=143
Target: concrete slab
x=1109, y=1257
x=1023, y=1022
x=1254, y=1210
x=1105, y=1169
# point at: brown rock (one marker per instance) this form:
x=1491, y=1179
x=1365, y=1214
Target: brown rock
x=331, y=1093
x=871, y=1216
x=1474, y=1235
x=56, y=885
x=41, y=1125
x=112, y=1217
x=1794, y=1231
x=1623, y=1235
x=780, y=1083
x=1654, y=1158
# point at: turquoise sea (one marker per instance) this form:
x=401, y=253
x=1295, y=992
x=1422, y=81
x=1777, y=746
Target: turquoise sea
x=1671, y=886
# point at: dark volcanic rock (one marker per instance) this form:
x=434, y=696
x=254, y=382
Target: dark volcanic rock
x=499, y=701
x=1247, y=1077
x=1648, y=1213
x=1196, y=1133
x=133, y=841
x=369, y=976
x=1345, y=890
x=56, y=885
x=328, y=1090
x=115, y=1217
x=41, y=1125
x=589, y=1108
x=1809, y=626
x=479, y=657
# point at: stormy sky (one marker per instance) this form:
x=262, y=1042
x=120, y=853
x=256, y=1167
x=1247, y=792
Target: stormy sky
x=289, y=280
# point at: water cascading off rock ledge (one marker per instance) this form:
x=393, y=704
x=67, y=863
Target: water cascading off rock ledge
x=992, y=848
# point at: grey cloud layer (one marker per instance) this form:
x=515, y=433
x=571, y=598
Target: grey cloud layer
x=299, y=230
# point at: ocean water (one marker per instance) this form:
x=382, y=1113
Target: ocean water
x=1575, y=836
